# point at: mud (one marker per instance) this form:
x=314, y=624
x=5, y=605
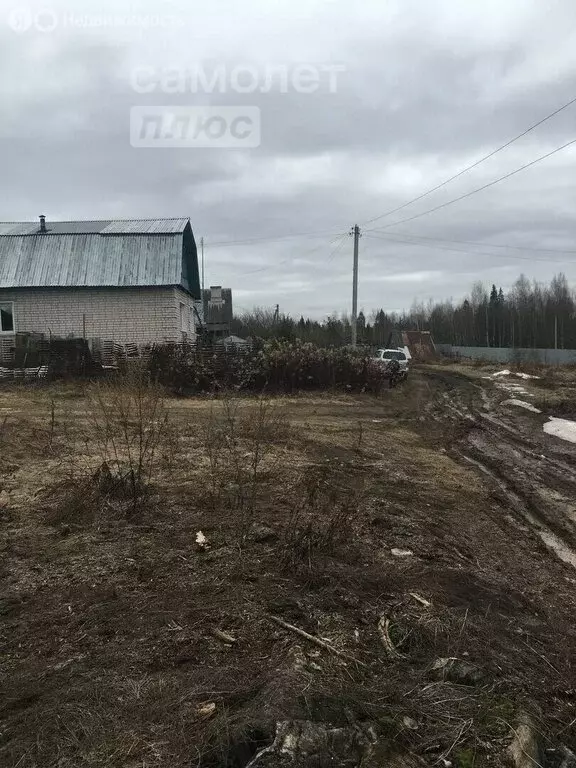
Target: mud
x=534, y=472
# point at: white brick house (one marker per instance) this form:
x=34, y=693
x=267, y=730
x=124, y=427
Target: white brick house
x=122, y=281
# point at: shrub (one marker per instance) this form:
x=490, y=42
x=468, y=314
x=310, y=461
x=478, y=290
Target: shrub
x=238, y=443
x=130, y=431
x=321, y=520
x=274, y=366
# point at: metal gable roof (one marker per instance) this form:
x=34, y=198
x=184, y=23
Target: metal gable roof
x=92, y=254
x=18, y=228
x=145, y=227
x=104, y=227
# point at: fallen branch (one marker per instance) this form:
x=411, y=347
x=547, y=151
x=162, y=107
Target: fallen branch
x=384, y=629
x=421, y=600
x=316, y=640
x=223, y=637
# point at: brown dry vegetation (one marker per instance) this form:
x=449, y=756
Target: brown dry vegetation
x=113, y=620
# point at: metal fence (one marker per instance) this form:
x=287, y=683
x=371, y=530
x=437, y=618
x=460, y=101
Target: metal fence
x=511, y=354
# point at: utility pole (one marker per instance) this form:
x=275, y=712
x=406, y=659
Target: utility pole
x=356, y=232
x=555, y=331
x=202, y=252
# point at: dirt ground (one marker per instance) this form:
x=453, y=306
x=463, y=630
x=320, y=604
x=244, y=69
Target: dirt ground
x=424, y=542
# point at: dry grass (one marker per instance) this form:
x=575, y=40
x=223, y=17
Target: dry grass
x=129, y=430
x=112, y=622
x=240, y=445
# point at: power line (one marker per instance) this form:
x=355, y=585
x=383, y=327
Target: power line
x=419, y=197
x=469, y=253
x=224, y=243
x=336, y=249
x=477, y=242
x=474, y=165
x=291, y=258
x=320, y=233
x=479, y=189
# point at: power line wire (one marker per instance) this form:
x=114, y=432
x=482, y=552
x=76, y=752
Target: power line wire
x=479, y=189
x=474, y=165
x=337, y=248
x=469, y=253
x=476, y=242
x=291, y=258
x=224, y=243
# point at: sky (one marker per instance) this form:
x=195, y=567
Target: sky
x=300, y=119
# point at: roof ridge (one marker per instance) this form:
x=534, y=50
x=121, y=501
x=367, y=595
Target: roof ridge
x=77, y=221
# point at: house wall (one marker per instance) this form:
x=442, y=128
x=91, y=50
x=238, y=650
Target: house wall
x=190, y=317
x=123, y=315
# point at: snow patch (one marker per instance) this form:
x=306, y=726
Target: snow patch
x=511, y=387
x=522, y=404
x=515, y=389
x=506, y=372
x=562, y=428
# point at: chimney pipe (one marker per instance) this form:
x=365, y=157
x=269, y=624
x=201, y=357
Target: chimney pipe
x=42, y=223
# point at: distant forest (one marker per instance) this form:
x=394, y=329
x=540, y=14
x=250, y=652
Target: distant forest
x=530, y=314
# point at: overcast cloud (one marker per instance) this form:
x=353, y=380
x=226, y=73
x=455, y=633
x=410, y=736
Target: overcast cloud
x=423, y=88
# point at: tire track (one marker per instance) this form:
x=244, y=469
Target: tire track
x=533, y=475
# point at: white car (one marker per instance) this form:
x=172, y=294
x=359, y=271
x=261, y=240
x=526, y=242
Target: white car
x=395, y=354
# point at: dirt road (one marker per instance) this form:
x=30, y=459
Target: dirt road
x=534, y=472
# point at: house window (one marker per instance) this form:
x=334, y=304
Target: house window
x=6, y=317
